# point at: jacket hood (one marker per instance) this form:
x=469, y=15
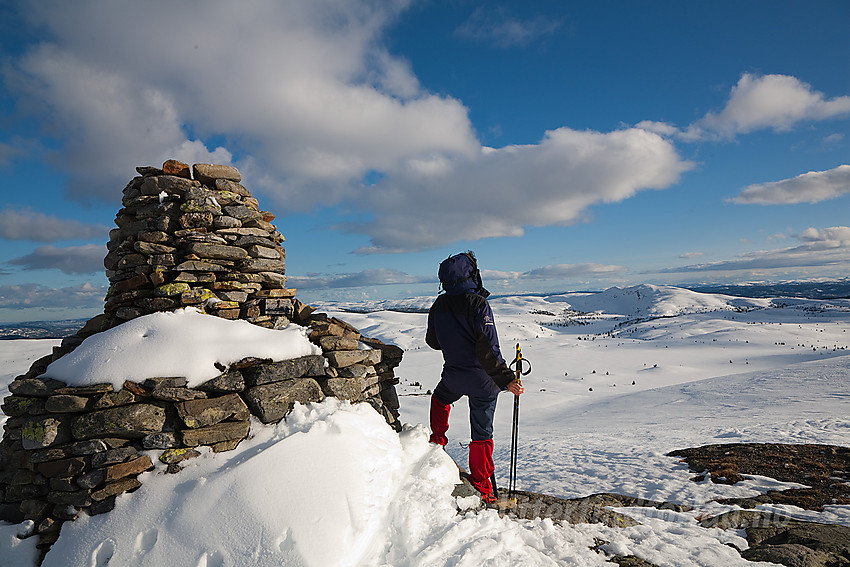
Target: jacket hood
x=459, y=274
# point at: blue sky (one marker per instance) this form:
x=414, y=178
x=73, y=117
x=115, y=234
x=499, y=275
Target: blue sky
x=572, y=145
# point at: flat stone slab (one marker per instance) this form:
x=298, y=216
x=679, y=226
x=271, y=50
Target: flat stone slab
x=203, y=413
x=224, y=431
x=271, y=402
x=311, y=365
x=135, y=420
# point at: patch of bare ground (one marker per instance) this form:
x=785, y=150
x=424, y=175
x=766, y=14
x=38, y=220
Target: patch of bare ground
x=773, y=537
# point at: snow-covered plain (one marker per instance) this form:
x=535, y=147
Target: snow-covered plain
x=620, y=378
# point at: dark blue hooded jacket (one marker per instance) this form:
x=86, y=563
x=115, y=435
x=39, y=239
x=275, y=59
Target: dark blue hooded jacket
x=460, y=323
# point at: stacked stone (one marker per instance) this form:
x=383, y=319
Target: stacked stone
x=72, y=449
x=201, y=242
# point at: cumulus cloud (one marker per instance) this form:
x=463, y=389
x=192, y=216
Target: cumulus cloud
x=28, y=295
x=371, y=277
x=311, y=94
x=26, y=224
x=109, y=121
x=810, y=187
x=818, y=248
x=497, y=192
x=86, y=259
x=775, y=102
x=826, y=238
x=497, y=27
x=307, y=90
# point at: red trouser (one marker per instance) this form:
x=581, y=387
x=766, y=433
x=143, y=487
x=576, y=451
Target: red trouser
x=481, y=465
x=439, y=421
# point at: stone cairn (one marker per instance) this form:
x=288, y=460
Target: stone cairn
x=184, y=237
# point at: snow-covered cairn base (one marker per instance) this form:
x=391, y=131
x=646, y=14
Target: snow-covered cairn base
x=183, y=240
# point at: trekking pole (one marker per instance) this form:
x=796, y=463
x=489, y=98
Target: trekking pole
x=518, y=371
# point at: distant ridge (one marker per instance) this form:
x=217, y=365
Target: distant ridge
x=41, y=329
x=833, y=289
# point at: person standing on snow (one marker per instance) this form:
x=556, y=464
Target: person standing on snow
x=460, y=323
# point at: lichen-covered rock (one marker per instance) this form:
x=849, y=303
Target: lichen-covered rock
x=39, y=433
x=132, y=421
x=174, y=456
x=271, y=402
x=14, y=406
x=175, y=288
x=203, y=413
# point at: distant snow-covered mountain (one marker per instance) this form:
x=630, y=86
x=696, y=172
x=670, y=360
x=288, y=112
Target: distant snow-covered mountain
x=657, y=301
x=644, y=300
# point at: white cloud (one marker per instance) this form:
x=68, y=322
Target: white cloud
x=371, y=277
x=29, y=295
x=309, y=92
x=305, y=87
x=661, y=128
x=500, y=191
x=768, y=101
x=826, y=238
x=690, y=254
x=810, y=187
x=497, y=27
x=26, y=224
x=818, y=248
x=555, y=272
x=86, y=259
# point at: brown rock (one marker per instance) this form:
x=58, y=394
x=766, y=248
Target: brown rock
x=178, y=168
x=121, y=470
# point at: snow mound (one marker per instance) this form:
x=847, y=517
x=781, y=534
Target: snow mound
x=330, y=486
x=183, y=343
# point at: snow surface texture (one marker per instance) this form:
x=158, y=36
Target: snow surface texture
x=332, y=485
x=183, y=343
